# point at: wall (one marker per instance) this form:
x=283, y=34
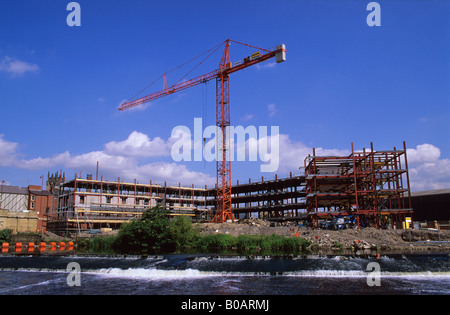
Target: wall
x=19, y=221
x=431, y=206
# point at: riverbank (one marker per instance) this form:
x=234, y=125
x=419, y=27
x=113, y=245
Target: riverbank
x=261, y=237
x=348, y=239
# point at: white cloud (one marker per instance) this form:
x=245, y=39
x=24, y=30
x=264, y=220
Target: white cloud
x=272, y=109
x=39, y=162
x=247, y=117
x=172, y=173
x=139, y=145
x=426, y=170
x=429, y=176
x=17, y=67
x=423, y=153
x=8, y=151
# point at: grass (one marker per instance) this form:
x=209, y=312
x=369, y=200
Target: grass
x=213, y=243
x=251, y=242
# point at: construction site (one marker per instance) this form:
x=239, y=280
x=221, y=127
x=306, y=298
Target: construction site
x=369, y=188
x=365, y=188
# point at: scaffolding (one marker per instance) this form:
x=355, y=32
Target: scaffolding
x=372, y=186
x=88, y=204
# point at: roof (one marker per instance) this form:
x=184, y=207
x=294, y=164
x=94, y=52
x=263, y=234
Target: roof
x=6, y=189
x=15, y=190
x=430, y=192
x=40, y=192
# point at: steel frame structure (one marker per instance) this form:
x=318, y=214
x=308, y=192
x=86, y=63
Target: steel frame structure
x=279, y=199
x=371, y=185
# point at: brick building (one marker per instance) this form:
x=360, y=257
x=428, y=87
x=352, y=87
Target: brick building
x=32, y=199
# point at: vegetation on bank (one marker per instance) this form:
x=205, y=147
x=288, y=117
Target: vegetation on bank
x=154, y=233
x=5, y=235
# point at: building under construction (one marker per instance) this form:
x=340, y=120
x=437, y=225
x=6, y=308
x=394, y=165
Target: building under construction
x=372, y=187
x=92, y=204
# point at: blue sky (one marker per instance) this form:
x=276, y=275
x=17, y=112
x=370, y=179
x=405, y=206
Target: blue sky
x=343, y=82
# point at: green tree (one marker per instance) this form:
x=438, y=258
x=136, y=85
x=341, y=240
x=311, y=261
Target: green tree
x=182, y=234
x=150, y=234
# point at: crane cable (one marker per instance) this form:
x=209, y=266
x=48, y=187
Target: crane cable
x=215, y=48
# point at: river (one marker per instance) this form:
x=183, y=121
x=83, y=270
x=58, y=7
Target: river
x=189, y=274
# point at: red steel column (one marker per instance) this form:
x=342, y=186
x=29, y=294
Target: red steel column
x=223, y=205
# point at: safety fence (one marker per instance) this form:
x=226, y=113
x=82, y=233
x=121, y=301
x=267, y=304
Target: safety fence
x=41, y=247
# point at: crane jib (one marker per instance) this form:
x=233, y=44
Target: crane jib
x=279, y=53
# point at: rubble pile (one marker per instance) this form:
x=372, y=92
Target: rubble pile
x=347, y=239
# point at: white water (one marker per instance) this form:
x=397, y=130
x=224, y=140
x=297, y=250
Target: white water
x=161, y=274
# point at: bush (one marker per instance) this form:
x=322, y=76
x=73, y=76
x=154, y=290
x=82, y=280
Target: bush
x=5, y=236
x=150, y=234
x=182, y=234
x=97, y=244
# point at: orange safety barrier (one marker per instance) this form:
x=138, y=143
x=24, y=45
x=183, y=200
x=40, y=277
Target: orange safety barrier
x=42, y=246
x=30, y=247
x=52, y=246
x=18, y=247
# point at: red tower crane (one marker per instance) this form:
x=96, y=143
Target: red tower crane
x=223, y=184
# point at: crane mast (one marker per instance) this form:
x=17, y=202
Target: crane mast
x=223, y=116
